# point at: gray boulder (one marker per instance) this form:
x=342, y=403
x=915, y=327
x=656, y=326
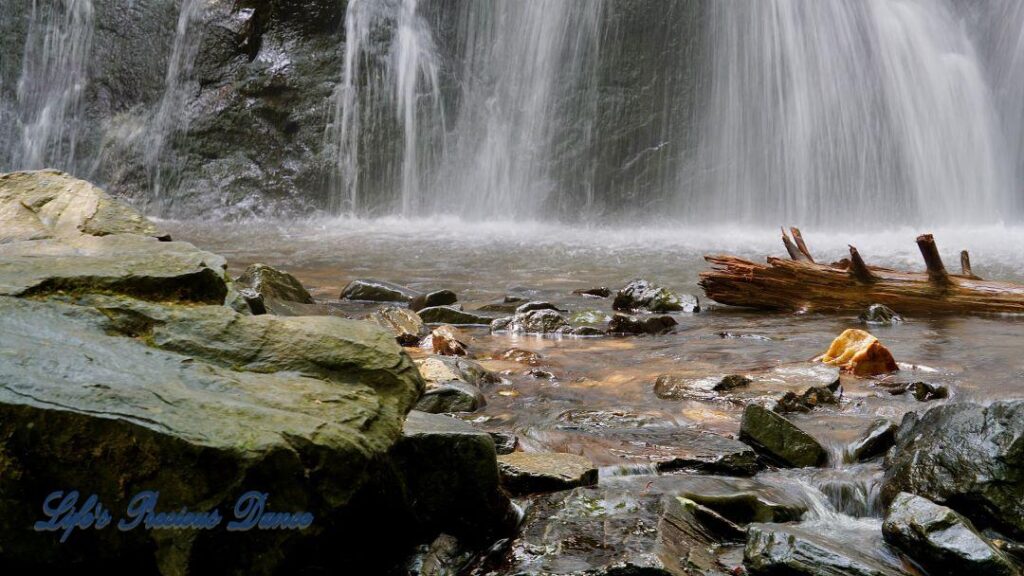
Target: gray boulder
x=431, y=299
x=965, y=456
x=377, y=291
x=280, y=292
x=940, y=540
x=875, y=441
x=622, y=324
x=779, y=439
x=781, y=549
x=641, y=295
x=453, y=315
x=537, y=322
x=533, y=472
x=451, y=396
x=405, y=324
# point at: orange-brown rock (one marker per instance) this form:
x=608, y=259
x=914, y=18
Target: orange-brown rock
x=445, y=340
x=859, y=353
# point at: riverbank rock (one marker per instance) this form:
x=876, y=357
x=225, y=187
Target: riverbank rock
x=642, y=296
x=447, y=341
x=533, y=472
x=880, y=315
x=625, y=325
x=453, y=315
x=940, y=540
x=965, y=456
x=278, y=290
x=779, y=439
x=774, y=549
x=860, y=353
x=377, y=291
x=431, y=299
x=405, y=324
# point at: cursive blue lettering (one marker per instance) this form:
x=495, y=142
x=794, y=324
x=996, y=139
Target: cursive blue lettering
x=64, y=515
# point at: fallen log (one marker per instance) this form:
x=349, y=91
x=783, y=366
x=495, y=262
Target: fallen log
x=801, y=284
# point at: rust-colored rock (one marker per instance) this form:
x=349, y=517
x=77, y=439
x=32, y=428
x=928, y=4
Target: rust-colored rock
x=859, y=353
x=447, y=341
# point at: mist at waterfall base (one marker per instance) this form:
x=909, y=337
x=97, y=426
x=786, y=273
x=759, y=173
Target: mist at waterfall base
x=844, y=114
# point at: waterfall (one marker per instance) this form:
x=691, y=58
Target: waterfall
x=54, y=75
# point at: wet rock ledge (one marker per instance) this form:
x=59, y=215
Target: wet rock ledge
x=129, y=362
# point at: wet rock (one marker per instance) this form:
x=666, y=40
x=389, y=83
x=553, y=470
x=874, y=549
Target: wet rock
x=590, y=317
x=536, y=305
x=641, y=295
x=940, y=540
x=446, y=341
x=859, y=353
x=253, y=301
x=740, y=500
x=671, y=387
x=732, y=382
x=521, y=356
x=377, y=291
x=445, y=556
x=593, y=292
x=775, y=549
x=452, y=315
x=440, y=369
x=874, y=442
x=451, y=396
x=505, y=443
x=499, y=307
x=274, y=285
x=538, y=322
x=533, y=472
x=925, y=392
x=402, y=322
x=540, y=374
x=779, y=439
x=810, y=399
x=449, y=470
x=587, y=331
x=622, y=324
x=880, y=315
x=606, y=532
x=684, y=449
x=964, y=456
x=431, y=299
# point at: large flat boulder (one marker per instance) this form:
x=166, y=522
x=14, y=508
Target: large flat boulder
x=796, y=550
x=966, y=456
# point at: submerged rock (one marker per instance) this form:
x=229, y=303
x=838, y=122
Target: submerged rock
x=453, y=315
x=405, y=324
x=925, y=392
x=859, y=353
x=536, y=305
x=622, y=324
x=809, y=400
x=539, y=322
x=522, y=356
x=965, y=456
x=777, y=549
x=447, y=341
x=377, y=291
x=732, y=382
x=533, y=472
x=940, y=540
x=431, y=299
x=641, y=295
x=593, y=292
x=875, y=441
x=780, y=439
x=880, y=314
x=741, y=500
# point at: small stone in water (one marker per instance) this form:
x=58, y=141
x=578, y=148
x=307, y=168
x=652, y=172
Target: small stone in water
x=535, y=305
x=540, y=374
x=880, y=314
x=593, y=292
x=924, y=391
x=732, y=382
x=446, y=341
x=622, y=324
x=436, y=298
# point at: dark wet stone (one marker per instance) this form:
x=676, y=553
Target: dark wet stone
x=536, y=305
x=741, y=500
x=777, y=549
x=587, y=331
x=732, y=382
x=377, y=291
x=740, y=336
x=451, y=396
x=671, y=387
x=521, y=356
x=880, y=314
x=447, y=341
x=609, y=532
x=538, y=322
x=534, y=472
x=641, y=295
x=875, y=441
x=505, y=443
x=450, y=473
x=431, y=299
x=810, y=399
x=943, y=542
x=540, y=374
x=274, y=285
x=779, y=439
x=924, y=391
x=593, y=292
x=688, y=449
x=253, y=300
x=622, y=324
x=965, y=456
x=452, y=315
x=405, y=324
x=445, y=556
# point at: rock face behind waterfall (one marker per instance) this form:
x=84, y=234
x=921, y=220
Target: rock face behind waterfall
x=121, y=370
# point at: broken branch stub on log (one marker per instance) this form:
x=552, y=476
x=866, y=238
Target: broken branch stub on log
x=803, y=285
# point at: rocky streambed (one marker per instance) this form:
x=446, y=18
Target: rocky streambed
x=445, y=408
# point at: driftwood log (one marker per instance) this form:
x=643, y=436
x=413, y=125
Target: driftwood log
x=801, y=284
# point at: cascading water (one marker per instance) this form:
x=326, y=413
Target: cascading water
x=54, y=75
x=879, y=111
